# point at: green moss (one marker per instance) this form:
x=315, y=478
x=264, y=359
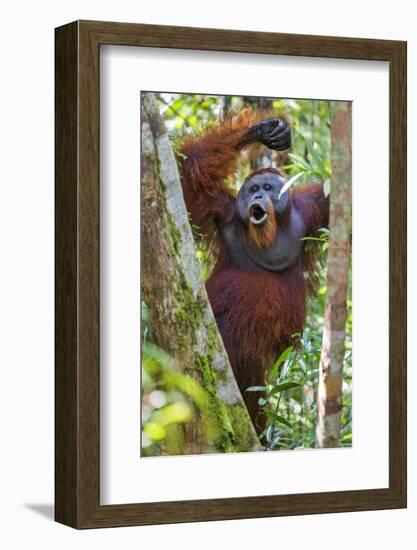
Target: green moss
x=213, y=337
x=190, y=311
x=226, y=437
x=175, y=235
x=241, y=425
x=234, y=421
x=235, y=428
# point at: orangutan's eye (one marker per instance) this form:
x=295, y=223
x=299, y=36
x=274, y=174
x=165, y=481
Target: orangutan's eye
x=267, y=187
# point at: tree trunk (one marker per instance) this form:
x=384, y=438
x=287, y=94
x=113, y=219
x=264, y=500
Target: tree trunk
x=262, y=156
x=225, y=103
x=333, y=345
x=180, y=315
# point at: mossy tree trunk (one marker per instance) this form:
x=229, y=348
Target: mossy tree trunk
x=180, y=315
x=334, y=332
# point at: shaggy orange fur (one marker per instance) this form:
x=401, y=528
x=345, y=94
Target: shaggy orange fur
x=264, y=235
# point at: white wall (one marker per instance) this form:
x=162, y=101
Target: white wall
x=26, y=285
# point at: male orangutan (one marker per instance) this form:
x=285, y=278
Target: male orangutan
x=263, y=268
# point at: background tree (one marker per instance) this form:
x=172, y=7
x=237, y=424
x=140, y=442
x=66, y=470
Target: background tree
x=262, y=156
x=330, y=393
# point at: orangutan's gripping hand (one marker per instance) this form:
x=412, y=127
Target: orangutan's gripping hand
x=275, y=133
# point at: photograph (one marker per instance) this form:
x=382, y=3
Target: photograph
x=246, y=276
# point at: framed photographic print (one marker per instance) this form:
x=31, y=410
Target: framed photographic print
x=230, y=274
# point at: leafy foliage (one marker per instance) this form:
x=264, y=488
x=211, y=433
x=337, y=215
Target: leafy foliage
x=169, y=401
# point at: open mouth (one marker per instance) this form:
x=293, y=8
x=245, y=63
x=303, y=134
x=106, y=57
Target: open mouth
x=257, y=214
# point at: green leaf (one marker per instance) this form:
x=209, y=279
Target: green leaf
x=284, y=386
x=320, y=239
x=257, y=388
x=283, y=421
x=175, y=413
x=155, y=431
x=300, y=161
x=315, y=157
x=281, y=359
x=153, y=352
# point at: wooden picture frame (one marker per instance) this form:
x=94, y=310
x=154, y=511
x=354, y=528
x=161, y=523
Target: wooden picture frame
x=77, y=374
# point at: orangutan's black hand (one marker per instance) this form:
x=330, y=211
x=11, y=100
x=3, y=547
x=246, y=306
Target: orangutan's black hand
x=275, y=133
